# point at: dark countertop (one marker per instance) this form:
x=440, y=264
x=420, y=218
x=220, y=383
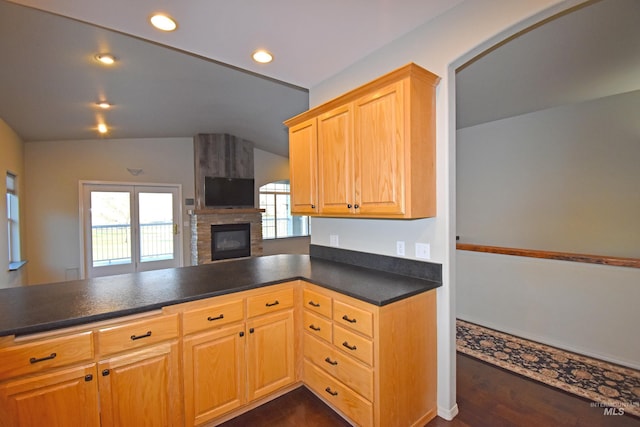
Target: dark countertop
x=40, y=308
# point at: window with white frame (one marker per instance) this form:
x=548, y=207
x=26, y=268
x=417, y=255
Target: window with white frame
x=13, y=219
x=277, y=221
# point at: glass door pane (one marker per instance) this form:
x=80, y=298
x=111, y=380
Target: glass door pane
x=155, y=212
x=110, y=228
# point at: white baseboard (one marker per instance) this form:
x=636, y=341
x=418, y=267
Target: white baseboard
x=448, y=414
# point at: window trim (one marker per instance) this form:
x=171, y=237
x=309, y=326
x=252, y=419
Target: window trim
x=289, y=217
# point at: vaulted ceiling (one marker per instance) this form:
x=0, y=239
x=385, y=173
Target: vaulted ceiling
x=201, y=79
x=198, y=79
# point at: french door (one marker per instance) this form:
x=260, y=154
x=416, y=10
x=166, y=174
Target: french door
x=130, y=228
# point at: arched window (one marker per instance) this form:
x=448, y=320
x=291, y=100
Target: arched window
x=277, y=221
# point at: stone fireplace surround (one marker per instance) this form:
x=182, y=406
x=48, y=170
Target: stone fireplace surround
x=221, y=155
x=202, y=220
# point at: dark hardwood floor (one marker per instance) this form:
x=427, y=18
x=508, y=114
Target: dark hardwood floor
x=487, y=396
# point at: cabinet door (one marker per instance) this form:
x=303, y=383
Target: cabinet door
x=335, y=174
x=303, y=165
x=214, y=373
x=379, y=152
x=142, y=388
x=62, y=398
x=270, y=353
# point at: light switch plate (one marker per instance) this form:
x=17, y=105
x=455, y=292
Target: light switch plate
x=400, y=248
x=334, y=240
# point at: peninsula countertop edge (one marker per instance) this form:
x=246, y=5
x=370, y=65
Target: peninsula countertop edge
x=40, y=308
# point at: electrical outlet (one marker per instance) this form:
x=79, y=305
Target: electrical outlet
x=334, y=240
x=423, y=250
x=400, y=248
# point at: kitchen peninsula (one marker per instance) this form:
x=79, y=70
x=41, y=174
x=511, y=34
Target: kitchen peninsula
x=197, y=345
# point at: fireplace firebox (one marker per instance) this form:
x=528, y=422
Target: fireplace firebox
x=230, y=241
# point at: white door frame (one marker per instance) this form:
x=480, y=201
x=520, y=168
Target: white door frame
x=83, y=213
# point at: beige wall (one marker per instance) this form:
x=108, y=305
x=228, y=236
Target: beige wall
x=11, y=160
x=53, y=173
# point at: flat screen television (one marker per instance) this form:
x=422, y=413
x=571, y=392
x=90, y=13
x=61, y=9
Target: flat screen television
x=228, y=192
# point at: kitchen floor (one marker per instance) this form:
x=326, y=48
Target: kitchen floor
x=487, y=396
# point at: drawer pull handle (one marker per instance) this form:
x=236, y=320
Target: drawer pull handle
x=314, y=327
x=314, y=304
x=350, y=347
x=42, y=359
x=331, y=362
x=137, y=337
x=211, y=319
x=271, y=304
x=345, y=317
x=331, y=392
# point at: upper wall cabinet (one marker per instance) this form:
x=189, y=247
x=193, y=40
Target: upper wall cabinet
x=369, y=153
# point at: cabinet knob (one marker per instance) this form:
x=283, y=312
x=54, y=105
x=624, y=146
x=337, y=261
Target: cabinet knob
x=251, y=330
x=105, y=372
x=313, y=206
x=349, y=205
x=356, y=206
x=88, y=378
x=241, y=334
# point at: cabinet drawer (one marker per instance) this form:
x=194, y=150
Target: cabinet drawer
x=319, y=303
x=354, y=345
x=317, y=326
x=40, y=355
x=269, y=302
x=353, y=374
x=137, y=334
x=353, y=318
x=212, y=316
x=340, y=396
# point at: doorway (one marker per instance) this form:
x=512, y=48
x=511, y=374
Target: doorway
x=130, y=228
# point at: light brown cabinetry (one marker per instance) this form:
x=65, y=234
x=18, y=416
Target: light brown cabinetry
x=112, y=374
x=303, y=147
x=49, y=378
x=205, y=361
x=375, y=149
x=139, y=373
x=236, y=350
x=379, y=366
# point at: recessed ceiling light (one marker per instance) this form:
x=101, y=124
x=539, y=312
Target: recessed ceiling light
x=102, y=128
x=106, y=58
x=104, y=105
x=163, y=22
x=262, y=56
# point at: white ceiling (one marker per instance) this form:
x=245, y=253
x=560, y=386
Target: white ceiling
x=200, y=78
x=204, y=82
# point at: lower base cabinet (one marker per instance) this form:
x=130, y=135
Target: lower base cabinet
x=270, y=354
x=141, y=388
x=69, y=396
x=201, y=362
x=236, y=351
x=214, y=373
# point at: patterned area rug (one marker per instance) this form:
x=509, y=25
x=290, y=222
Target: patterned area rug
x=605, y=384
